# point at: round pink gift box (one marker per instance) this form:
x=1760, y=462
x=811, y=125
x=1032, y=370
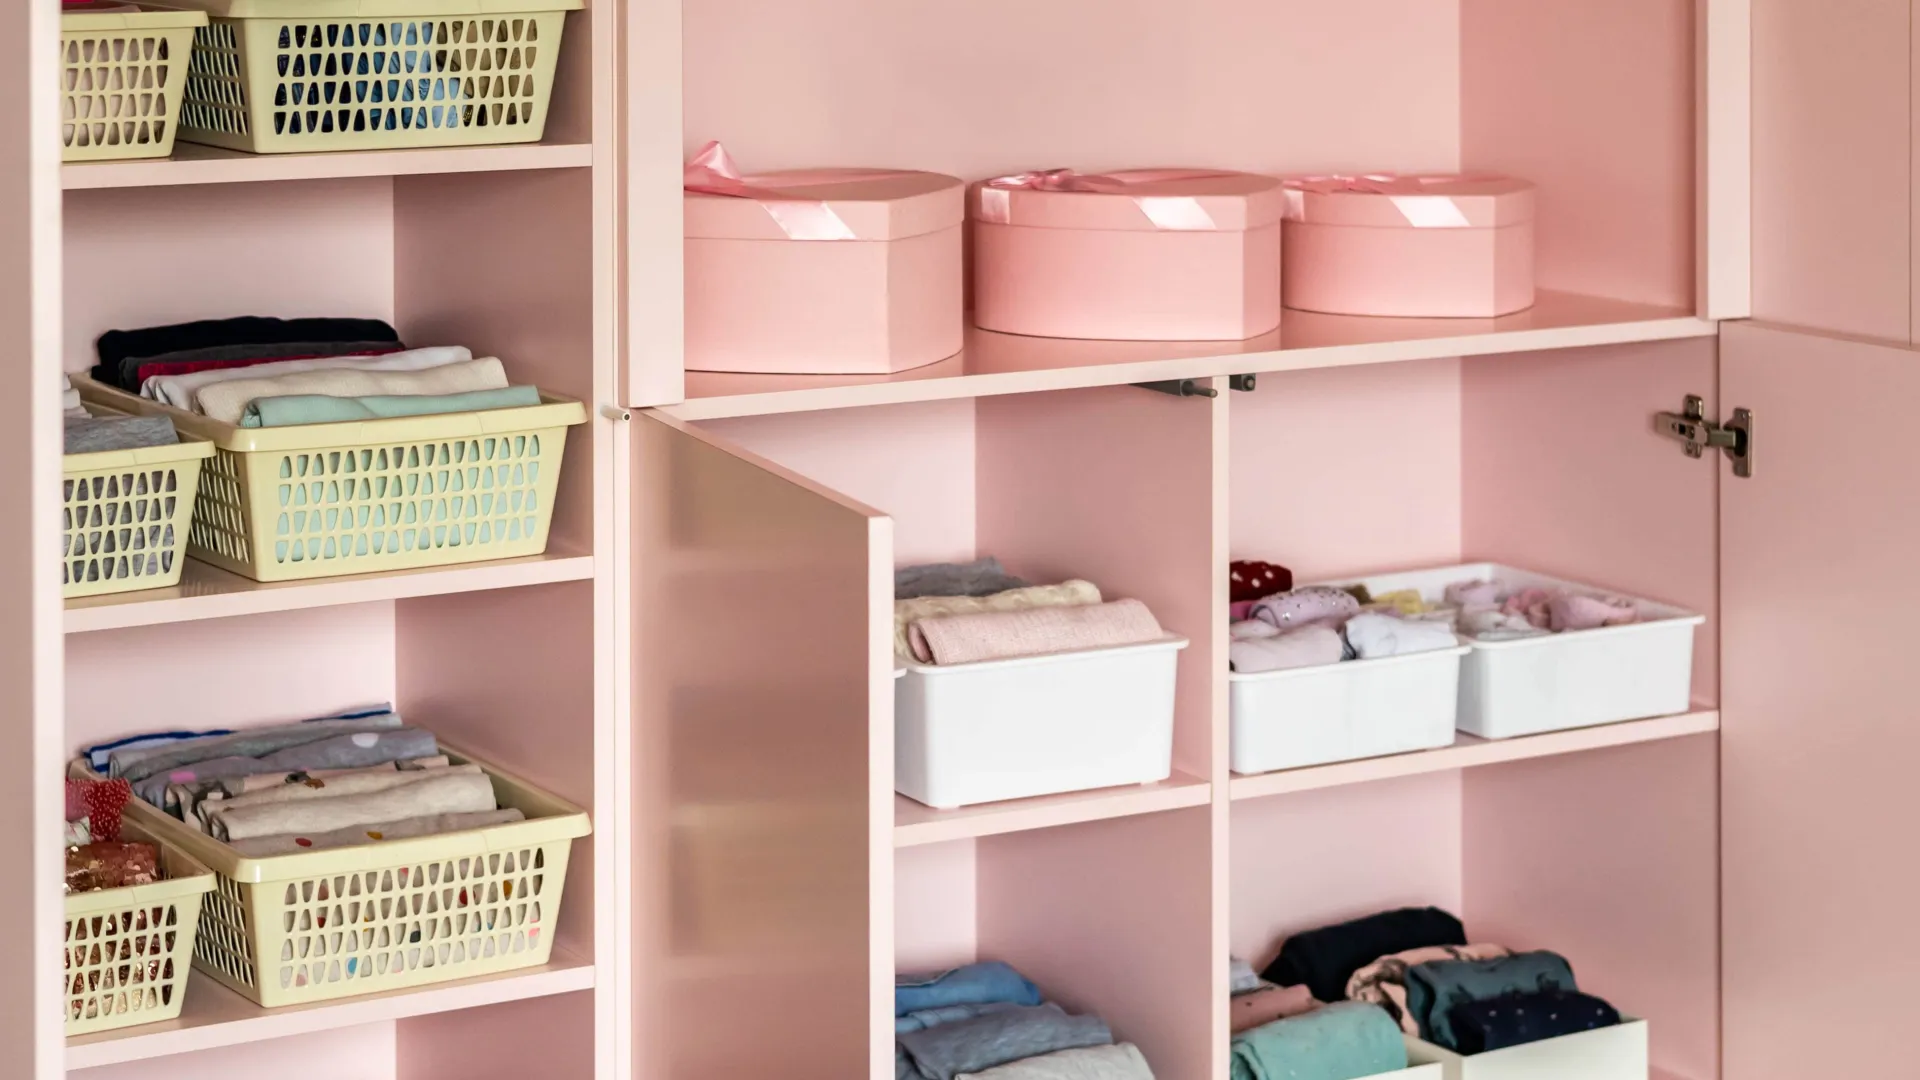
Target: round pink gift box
x=1144, y=255
x=1410, y=246
x=824, y=271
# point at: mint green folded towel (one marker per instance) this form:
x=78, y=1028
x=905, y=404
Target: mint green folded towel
x=1347, y=1040
x=321, y=409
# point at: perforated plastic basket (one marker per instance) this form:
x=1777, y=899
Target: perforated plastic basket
x=127, y=951
x=321, y=500
x=287, y=76
x=121, y=77
x=126, y=516
x=293, y=929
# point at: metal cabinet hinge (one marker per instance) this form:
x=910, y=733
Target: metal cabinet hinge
x=1697, y=434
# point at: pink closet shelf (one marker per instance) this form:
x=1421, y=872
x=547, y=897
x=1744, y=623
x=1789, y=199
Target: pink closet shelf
x=214, y=1016
x=1468, y=751
x=207, y=592
x=1008, y=364
x=914, y=824
x=195, y=164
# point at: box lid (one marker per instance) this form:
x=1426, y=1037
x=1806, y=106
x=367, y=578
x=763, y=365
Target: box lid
x=1177, y=200
x=816, y=204
x=1395, y=201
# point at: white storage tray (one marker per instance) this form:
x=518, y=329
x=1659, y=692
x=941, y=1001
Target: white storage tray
x=1611, y=1053
x=1571, y=680
x=1338, y=712
x=1035, y=725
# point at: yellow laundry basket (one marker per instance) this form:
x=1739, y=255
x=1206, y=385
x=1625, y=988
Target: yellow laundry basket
x=322, y=500
x=127, y=951
x=121, y=77
x=126, y=516
x=293, y=929
x=292, y=76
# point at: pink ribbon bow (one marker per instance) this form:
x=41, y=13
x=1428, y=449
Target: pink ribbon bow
x=713, y=172
x=1175, y=213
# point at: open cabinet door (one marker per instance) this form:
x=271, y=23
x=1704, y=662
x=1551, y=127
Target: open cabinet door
x=763, y=743
x=1820, y=740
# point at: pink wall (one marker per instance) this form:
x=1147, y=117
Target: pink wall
x=934, y=908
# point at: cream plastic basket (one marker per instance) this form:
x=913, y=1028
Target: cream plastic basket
x=293, y=929
x=122, y=75
x=126, y=516
x=291, y=76
x=127, y=951
x=322, y=500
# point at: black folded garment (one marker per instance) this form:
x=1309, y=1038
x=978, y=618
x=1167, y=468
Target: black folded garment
x=1515, y=1019
x=1324, y=959
x=116, y=346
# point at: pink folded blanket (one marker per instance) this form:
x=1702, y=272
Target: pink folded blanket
x=1000, y=635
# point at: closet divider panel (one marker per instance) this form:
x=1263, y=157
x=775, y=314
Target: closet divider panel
x=652, y=293
x=763, y=750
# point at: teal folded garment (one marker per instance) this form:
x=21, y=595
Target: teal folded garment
x=1434, y=989
x=1344, y=1041
x=321, y=409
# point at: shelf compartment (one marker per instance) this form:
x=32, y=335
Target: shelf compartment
x=914, y=824
x=193, y=163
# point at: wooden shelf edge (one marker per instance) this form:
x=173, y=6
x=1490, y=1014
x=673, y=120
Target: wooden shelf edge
x=214, y=1016
x=194, y=164
x=915, y=824
x=1468, y=752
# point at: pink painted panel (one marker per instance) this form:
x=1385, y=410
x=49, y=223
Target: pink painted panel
x=356, y=1053
x=1594, y=102
x=547, y=1037
x=1818, y=740
x=1310, y=859
x=1611, y=858
x=1115, y=917
x=1830, y=100
x=934, y=906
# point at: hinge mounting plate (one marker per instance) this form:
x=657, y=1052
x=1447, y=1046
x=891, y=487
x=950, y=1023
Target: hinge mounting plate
x=1697, y=434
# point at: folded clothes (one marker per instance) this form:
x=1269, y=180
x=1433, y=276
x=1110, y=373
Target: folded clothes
x=1308, y=646
x=1313, y=605
x=1241, y=978
x=1572, y=611
x=1267, y=1004
x=1515, y=1019
x=983, y=983
x=183, y=800
x=981, y=577
x=1384, y=982
x=117, y=345
x=98, y=755
x=232, y=360
x=1122, y=1061
x=1324, y=959
x=1344, y=1041
x=354, y=750
x=921, y=1019
x=227, y=401
x=1492, y=624
x=140, y=762
x=1253, y=580
x=96, y=435
x=970, y=1046
x=319, y=785
x=70, y=400
x=999, y=635
x=321, y=409
x=1252, y=630
x=182, y=389
x=1434, y=988
x=426, y=794
x=1075, y=593
x=353, y=836
x=108, y=864
x=1374, y=636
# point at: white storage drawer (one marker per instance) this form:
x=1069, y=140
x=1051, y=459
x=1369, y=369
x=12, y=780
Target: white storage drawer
x=1035, y=725
x=1611, y=1053
x=1338, y=712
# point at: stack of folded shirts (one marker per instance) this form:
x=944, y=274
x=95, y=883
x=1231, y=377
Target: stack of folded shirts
x=90, y=434
x=1316, y=625
x=963, y=613
x=986, y=1021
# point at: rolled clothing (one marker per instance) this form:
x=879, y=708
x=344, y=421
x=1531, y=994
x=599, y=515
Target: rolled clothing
x=1309, y=646
x=1433, y=989
x=99, y=434
x=970, y=1046
x=227, y=401
x=117, y=345
x=1315, y=605
x=1384, y=982
x=138, y=763
x=1267, y=1004
x=1121, y=1061
x=1241, y=978
x=981, y=577
x=921, y=1019
x=321, y=409
x=1517, y=1019
x=1323, y=960
x=1252, y=630
x=357, y=750
x=182, y=390
x=339, y=785
x=261, y=847
x=439, y=792
x=184, y=800
x=986, y=982
x=141, y=370
x=1344, y=1041
x=1571, y=611
x=1001, y=635
x=1375, y=636
x=1075, y=593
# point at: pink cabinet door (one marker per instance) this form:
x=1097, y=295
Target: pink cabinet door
x=1820, y=742
x=762, y=739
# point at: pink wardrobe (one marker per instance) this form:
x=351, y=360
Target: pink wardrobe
x=702, y=659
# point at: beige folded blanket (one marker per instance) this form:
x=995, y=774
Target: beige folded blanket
x=440, y=791
x=431, y=825
x=329, y=787
x=1075, y=593
x=1000, y=635
x=226, y=401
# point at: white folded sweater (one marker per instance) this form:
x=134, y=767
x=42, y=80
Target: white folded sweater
x=227, y=401
x=180, y=391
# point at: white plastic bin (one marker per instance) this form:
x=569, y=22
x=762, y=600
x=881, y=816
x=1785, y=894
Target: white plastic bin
x=1610, y=1053
x=1570, y=680
x=1035, y=725
x=1412, y=1072
x=1338, y=712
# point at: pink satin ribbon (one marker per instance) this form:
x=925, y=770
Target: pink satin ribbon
x=1174, y=213
x=713, y=172
x=1410, y=194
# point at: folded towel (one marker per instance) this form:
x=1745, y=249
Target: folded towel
x=320, y=409
x=226, y=401
x=140, y=762
x=1313, y=605
x=1374, y=636
x=1075, y=593
x=356, y=750
x=97, y=435
x=1384, y=982
x=998, y=635
x=974, y=984
x=1241, y=978
x=1323, y=960
x=1123, y=1061
x=117, y=345
x=70, y=400
x=1433, y=989
x=920, y=1019
x=1515, y=1019
x=1344, y=1041
x=981, y=577
x=1309, y=646
x=969, y=1046
x=1267, y=1004
x=340, y=784
x=261, y=847
x=141, y=370
x=182, y=390
x=441, y=791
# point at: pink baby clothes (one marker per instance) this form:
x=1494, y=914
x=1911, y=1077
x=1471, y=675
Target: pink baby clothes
x=1309, y=646
x=1314, y=605
x=1000, y=635
x=1270, y=1003
x=1571, y=611
x=1250, y=629
x=1473, y=595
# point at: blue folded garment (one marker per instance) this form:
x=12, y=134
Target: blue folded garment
x=975, y=984
x=1516, y=1019
x=946, y=1014
x=968, y=1046
x=1434, y=989
x=296, y=409
x=1344, y=1041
